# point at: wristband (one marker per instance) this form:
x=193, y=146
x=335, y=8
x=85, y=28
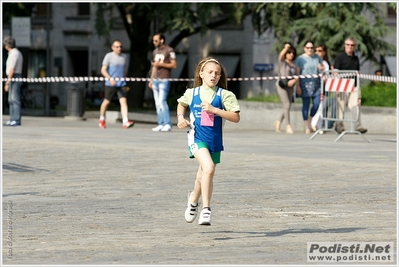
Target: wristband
x=180, y=115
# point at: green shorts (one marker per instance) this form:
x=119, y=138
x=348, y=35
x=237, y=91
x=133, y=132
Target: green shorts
x=194, y=147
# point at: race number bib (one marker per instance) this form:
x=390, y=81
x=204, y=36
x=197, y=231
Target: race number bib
x=207, y=119
x=193, y=148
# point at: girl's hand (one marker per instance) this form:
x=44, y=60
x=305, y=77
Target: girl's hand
x=182, y=122
x=208, y=107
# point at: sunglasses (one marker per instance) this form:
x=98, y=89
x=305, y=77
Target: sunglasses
x=319, y=50
x=350, y=44
x=290, y=53
x=309, y=47
x=117, y=46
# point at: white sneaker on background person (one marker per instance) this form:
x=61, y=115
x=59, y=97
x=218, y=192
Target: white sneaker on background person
x=166, y=128
x=158, y=128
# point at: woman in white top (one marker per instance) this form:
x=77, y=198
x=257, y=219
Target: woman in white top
x=317, y=121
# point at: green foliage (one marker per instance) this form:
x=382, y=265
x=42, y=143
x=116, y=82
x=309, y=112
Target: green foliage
x=16, y=10
x=379, y=94
x=327, y=23
x=272, y=98
x=187, y=16
x=103, y=25
x=197, y=17
x=393, y=5
x=167, y=17
x=239, y=12
x=141, y=20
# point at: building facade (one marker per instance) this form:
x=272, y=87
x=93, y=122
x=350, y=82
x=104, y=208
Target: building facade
x=76, y=50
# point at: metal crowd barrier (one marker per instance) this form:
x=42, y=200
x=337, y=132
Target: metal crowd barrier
x=340, y=99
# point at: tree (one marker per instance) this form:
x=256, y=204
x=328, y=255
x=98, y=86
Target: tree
x=328, y=23
x=139, y=18
x=17, y=10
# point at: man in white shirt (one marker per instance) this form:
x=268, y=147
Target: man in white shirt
x=13, y=70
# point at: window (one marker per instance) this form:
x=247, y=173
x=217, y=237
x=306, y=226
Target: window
x=41, y=9
x=37, y=64
x=83, y=9
x=391, y=11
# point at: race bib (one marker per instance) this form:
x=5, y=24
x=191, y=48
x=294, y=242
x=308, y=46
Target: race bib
x=207, y=119
x=193, y=148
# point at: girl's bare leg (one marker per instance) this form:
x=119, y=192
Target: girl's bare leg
x=204, y=181
x=197, y=187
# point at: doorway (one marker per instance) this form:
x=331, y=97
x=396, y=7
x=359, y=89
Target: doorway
x=80, y=62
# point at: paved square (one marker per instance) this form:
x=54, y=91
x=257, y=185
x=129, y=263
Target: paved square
x=77, y=194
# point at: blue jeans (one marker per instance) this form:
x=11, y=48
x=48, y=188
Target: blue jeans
x=160, y=89
x=14, y=99
x=306, y=104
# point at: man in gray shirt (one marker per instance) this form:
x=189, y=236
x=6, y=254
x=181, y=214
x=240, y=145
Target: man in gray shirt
x=13, y=70
x=115, y=65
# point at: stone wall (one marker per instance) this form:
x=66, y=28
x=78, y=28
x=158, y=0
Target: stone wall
x=261, y=115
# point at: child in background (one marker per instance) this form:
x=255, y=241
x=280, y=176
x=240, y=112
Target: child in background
x=317, y=122
x=210, y=102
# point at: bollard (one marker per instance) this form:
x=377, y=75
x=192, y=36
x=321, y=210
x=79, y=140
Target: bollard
x=75, y=101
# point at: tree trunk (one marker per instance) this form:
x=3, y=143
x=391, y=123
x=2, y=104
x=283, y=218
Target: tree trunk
x=138, y=68
x=139, y=64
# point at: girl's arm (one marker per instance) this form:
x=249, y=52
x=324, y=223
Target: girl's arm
x=181, y=121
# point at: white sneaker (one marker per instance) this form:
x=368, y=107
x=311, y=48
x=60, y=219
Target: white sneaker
x=166, y=128
x=191, y=211
x=205, y=217
x=8, y=123
x=14, y=123
x=158, y=128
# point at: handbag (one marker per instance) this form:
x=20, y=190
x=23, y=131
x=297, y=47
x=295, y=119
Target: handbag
x=283, y=83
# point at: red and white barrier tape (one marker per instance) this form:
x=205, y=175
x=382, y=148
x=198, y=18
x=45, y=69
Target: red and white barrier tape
x=129, y=79
x=378, y=78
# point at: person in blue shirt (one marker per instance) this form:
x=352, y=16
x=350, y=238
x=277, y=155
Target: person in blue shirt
x=310, y=87
x=115, y=65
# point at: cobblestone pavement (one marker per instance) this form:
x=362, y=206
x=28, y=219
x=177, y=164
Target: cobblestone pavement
x=77, y=194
